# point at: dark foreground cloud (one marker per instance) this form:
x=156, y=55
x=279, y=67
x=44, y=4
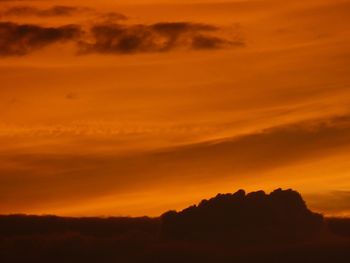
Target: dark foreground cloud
x=280, y=216
x=238, y=228
x=22, y=39
x=159, y=37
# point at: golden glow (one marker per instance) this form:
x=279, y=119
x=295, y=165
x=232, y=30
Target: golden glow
x=111, y=133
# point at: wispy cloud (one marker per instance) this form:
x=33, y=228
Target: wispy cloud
x=160, y=37
x=58, y=10
x=333, y=203
x=55, y=176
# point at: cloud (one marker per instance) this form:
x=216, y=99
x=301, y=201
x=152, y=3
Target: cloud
x=58, y=10
x=112, y=38
x=209, y=42
x=255, y=217
x=111, y=17
x=159, y=37
x=61, y=11
x=21, y=39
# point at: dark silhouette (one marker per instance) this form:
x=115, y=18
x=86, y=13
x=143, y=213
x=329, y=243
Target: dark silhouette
x=20, y=225
x=281, y=216
x=339, y=226
x=240, y=227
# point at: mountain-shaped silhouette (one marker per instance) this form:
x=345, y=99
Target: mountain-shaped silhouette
x=281, y=216
x=240, y=227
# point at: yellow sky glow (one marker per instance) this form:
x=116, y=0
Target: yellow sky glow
x=196, y=98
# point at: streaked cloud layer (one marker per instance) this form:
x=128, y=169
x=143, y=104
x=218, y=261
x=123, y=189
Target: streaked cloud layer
x=112, y=108
x=111, y=38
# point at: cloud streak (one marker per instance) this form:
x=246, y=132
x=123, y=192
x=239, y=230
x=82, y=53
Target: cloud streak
x=58, y=10
x=30, y=175
x=112, y=38
x=160, y=37
x=334, y=203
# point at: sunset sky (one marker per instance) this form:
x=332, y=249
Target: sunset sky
x=129, y=108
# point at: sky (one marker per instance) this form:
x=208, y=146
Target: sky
x=130, y=108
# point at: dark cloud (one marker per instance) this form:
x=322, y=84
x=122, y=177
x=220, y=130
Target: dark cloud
x=210, y=42
x=110, y=38
x=13, y=225
x=159, y=37
x=34, y=11
x=22, y=39
x=280, y=216
x=29, y=238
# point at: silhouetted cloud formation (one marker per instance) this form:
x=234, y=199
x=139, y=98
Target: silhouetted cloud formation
x=159, y=37
x=22, y=39
x=13, y=225
x=239, y=220
x=339, y=226
x=281, y=216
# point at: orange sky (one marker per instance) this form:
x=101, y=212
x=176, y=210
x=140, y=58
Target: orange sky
x=133, y=108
